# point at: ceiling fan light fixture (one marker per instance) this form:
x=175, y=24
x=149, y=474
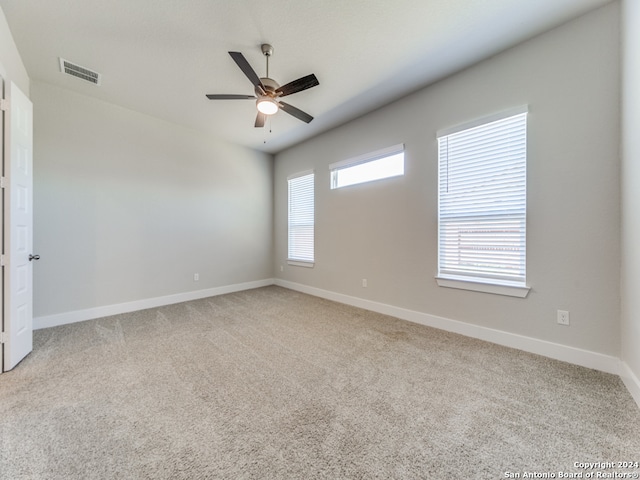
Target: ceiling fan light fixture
x=267, y=105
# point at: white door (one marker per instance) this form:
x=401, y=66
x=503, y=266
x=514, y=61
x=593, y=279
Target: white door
x=18, y=231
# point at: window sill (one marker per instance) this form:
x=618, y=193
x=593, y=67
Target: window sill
x=300, y=263
x=509, y=290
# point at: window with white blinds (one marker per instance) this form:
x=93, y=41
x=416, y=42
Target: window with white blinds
x=301, y=219
x=482, y=201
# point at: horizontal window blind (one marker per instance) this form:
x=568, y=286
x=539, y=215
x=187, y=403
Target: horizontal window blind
x=301, y=217
x=482, y=202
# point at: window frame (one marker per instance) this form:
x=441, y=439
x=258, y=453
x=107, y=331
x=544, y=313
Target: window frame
x=383, y=153
x=292, y=259
x=466, y=281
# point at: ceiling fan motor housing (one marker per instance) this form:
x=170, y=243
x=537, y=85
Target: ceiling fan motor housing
x=270, y=85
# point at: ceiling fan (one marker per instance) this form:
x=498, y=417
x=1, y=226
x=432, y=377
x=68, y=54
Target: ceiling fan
x=268, y=91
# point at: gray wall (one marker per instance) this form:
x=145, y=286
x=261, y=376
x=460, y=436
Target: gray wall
x=630, y=274
x=11, y=66
x=386, y=231
x=129, y=207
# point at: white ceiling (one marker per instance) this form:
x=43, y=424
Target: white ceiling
x=160, y=57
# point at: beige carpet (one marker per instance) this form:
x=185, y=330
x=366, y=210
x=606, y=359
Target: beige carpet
x=271, y=383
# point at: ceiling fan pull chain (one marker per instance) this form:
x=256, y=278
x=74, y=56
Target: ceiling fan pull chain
x=265, y=134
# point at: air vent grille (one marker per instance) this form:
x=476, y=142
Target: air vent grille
x=80, y=72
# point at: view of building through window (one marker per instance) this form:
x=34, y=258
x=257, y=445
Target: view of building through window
x=482, y=202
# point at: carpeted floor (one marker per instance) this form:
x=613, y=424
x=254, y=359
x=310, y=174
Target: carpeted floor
x=271, y=383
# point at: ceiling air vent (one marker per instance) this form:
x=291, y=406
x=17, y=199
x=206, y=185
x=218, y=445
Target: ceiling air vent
x=81, y=72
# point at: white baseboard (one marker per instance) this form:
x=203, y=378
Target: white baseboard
x=631, y=381
x=107, y=310
x=577, y=356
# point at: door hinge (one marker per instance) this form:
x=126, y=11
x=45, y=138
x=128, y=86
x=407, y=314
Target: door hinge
x=3, y=182
x=3, y=260
x=4, y=104
x=3, y=337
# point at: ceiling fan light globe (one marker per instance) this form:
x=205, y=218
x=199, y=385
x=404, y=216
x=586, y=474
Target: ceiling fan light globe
x=267, y=106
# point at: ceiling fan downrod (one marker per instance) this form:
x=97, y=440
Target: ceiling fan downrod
x=267, y=51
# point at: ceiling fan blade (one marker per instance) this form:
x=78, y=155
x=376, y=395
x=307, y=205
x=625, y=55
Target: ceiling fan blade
x=260, y=119
x=296, y=112
x=229, y=97
x=298, y=85
x=246, y=69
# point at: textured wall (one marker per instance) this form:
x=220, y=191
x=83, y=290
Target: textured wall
x=386, y=231
x=128, y=207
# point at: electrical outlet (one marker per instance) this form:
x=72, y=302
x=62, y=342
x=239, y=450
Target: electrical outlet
x=364, y=282
x=563, y=317
x=281, y=268
x=196, y=277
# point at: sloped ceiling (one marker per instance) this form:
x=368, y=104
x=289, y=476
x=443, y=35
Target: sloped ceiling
x=160, y=57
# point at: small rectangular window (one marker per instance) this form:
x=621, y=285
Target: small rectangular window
x=482, y=204
x=385, y=163
x=301, y=219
